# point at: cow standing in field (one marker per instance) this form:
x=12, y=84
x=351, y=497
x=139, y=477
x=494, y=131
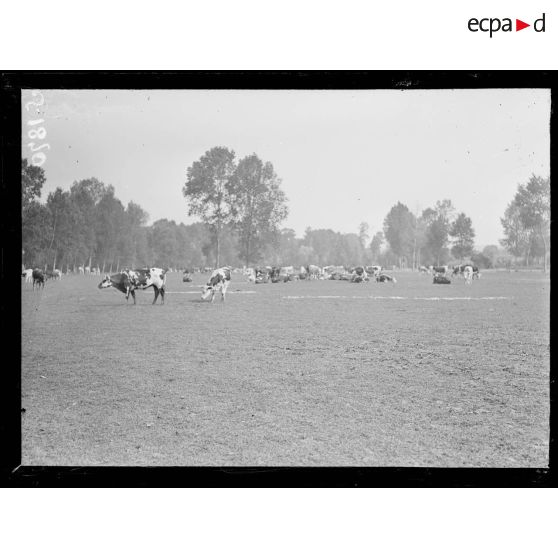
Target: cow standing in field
x=27, y=275
x=128, y=281
x=39, y=278
x=468, y=274
x=121, y=282
x=219, y=281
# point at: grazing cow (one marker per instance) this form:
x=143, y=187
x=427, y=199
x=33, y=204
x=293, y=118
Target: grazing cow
x=219, y=281
x=39, y=278
x=57, y=274
x=27, y=275
x=385, y=278
x=423, y=269
x=441, y=280
x=359, y=275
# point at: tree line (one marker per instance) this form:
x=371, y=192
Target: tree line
x=241, y=207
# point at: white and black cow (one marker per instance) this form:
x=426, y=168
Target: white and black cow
x=385, y=278
x=219, y=281
x=128, y=281
x=440, y=270
x=27, y=274
x=121, y=282
x=359, y=275
x=468, y=274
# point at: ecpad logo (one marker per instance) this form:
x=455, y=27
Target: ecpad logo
x=493, y=25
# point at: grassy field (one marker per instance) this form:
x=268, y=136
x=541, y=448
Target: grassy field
x=306, y=373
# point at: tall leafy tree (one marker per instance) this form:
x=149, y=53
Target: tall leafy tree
x=257, y=205
x=206, y=191
x=438, y=224
x=516, y=238
x=32, y=181
x=533, y=202
x=399, y=231
x=376, y=246
x=109, y=220
x=464, y=237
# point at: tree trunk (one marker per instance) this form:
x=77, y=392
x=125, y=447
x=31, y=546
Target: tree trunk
x=218, y=248
x=545, y=250
x=104, y=262
x=89, y=261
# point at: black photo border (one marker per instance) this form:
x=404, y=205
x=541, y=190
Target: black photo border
x=15, y=475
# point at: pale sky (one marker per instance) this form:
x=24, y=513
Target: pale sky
x=343, y=156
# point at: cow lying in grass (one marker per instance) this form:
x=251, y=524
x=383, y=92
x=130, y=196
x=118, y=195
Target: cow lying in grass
x=219, y=281
x=441, y=280
x=128, y=281
x=385, y=278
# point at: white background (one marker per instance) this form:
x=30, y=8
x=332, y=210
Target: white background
x=286, y=34
x=436, y=523
x=271, y=34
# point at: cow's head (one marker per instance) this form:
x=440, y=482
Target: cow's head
x=105, y=283
x=207, y=291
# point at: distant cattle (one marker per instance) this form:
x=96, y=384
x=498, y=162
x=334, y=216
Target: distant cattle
x=439, y=270
x=219, y=281
x=27, y=274
x=359, y=275
x=459, y=270
x=423, y=269
x=186, y=276
x=311, y=271
x=385, y=278
x=262, y=274
x=374, y=270
x=468, y=274
x=274, y=274
x=39, y=278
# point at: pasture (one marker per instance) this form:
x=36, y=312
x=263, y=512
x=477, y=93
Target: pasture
x=304, y=373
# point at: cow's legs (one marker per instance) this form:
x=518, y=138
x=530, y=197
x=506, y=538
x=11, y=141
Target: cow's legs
x=162, y=291
x=156, y=294
x=133, y=293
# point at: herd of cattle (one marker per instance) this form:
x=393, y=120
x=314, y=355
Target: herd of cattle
x=128, y=281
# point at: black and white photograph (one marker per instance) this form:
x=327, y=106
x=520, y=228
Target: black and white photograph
x=285, y=277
